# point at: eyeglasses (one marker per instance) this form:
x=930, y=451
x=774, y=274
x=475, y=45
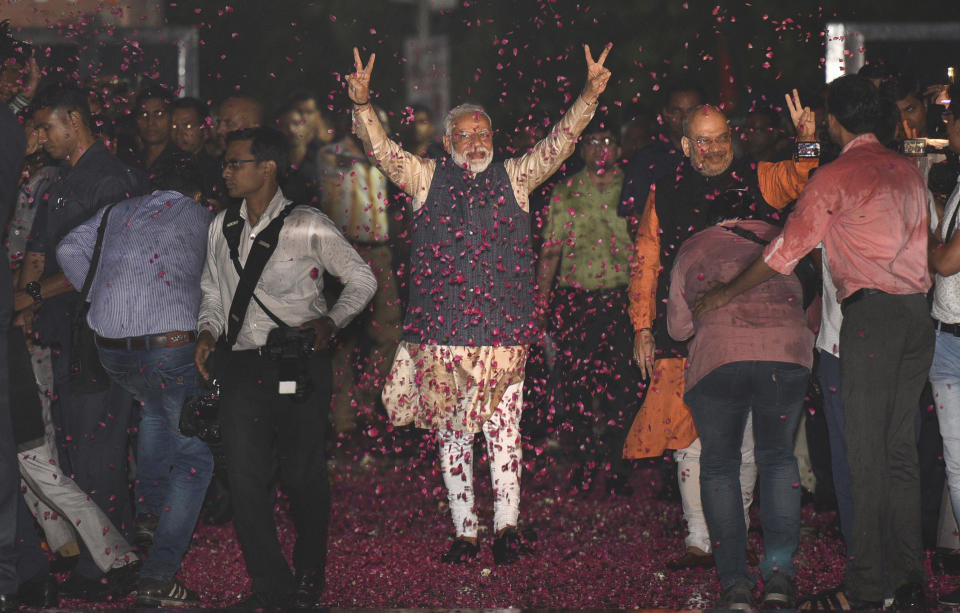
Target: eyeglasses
x=234, y=165
x=187, y=126
x=145, y=115
x=483, y=135
x=705, y=141
x=606, y=141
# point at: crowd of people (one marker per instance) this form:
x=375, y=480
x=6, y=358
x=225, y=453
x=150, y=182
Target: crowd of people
x=209, y=291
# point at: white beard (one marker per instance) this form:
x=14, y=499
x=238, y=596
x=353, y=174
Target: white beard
x=476, y=166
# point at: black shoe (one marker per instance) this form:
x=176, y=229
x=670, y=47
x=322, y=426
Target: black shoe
x=9, y=603
x=39, y=592
x=737, y=597
x=123, y=579
x=156, y=594
x=145, y=527
x=950, y=599
x=909, y=596
x=309, y=587
x=84, y=588
x=460, y=551
x=508, y=547
x=778, y=592
x=117, y=583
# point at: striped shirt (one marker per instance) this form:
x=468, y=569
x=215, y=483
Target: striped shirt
x=148, y=278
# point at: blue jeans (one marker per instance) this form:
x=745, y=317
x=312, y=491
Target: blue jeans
x=945, y=379
x=720, y=403
x=173, y=471
x=828, y=371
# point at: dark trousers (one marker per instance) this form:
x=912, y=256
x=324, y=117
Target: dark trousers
x=886, y=348
x=259, y=425
x=93, y=441
x=9, y=471
x=594, y=352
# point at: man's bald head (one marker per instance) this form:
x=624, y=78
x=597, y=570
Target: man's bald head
x=238, y=113
x=706, y=140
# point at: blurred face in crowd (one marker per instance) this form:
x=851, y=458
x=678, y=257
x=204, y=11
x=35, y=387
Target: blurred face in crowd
x=953, y=128
x=424, y=130
x=599, y=151
x=470, y=142
x=310, y=115
x=58, y=132
x=760, y=136
x=913, y=111
x=678, y=105
x=294, y=127
x=153, y=122
x=241, y=172
x=708, y=144
x=189, y=132
x=235, y=114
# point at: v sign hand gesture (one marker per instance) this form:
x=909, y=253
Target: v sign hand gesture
x=597, y=74
x=803, y=118
x=358, y=83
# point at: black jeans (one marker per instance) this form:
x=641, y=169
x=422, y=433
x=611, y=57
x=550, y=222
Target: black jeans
x=886, y=348
x=258, y=425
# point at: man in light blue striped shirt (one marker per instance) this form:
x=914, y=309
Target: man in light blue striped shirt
x=144, y=302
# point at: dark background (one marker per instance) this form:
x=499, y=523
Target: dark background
x=271, y=48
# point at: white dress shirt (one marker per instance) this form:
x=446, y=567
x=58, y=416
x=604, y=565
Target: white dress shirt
x=291, y=285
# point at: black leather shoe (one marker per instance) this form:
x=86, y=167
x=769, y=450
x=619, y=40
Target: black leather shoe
x=909, y=596
x=309, y=588
x=508, y=547
x=461, y=551
x=40, y=592
x=117, y=583
x=9, y=603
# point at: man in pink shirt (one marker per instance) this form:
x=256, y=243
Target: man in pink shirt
x=869, y=210
x=752, y=356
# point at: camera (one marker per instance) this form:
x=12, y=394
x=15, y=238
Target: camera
x=199, y=416
x=290, y=346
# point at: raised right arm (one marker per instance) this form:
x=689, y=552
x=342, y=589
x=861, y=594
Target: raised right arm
x=409, y=172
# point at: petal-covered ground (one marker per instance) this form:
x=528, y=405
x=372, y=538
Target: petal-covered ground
x=592, y=551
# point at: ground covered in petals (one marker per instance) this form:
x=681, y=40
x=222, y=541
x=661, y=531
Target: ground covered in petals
x=592, y=551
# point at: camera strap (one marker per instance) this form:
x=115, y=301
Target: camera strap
x=263, y=247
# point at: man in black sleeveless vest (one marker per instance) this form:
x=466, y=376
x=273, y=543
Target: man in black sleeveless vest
x=470, y=319
x=678, y=211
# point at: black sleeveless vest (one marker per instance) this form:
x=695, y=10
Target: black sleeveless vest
x=686, y=203
x=472, y=265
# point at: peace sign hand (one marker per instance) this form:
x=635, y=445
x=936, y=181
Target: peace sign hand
x=803, y=118
x=597, y=74
x=358, y=83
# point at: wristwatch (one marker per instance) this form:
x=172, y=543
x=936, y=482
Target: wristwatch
x=33, y=290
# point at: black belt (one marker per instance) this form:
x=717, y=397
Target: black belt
x=953, y=329
x=148, y=341
x=858, y=295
